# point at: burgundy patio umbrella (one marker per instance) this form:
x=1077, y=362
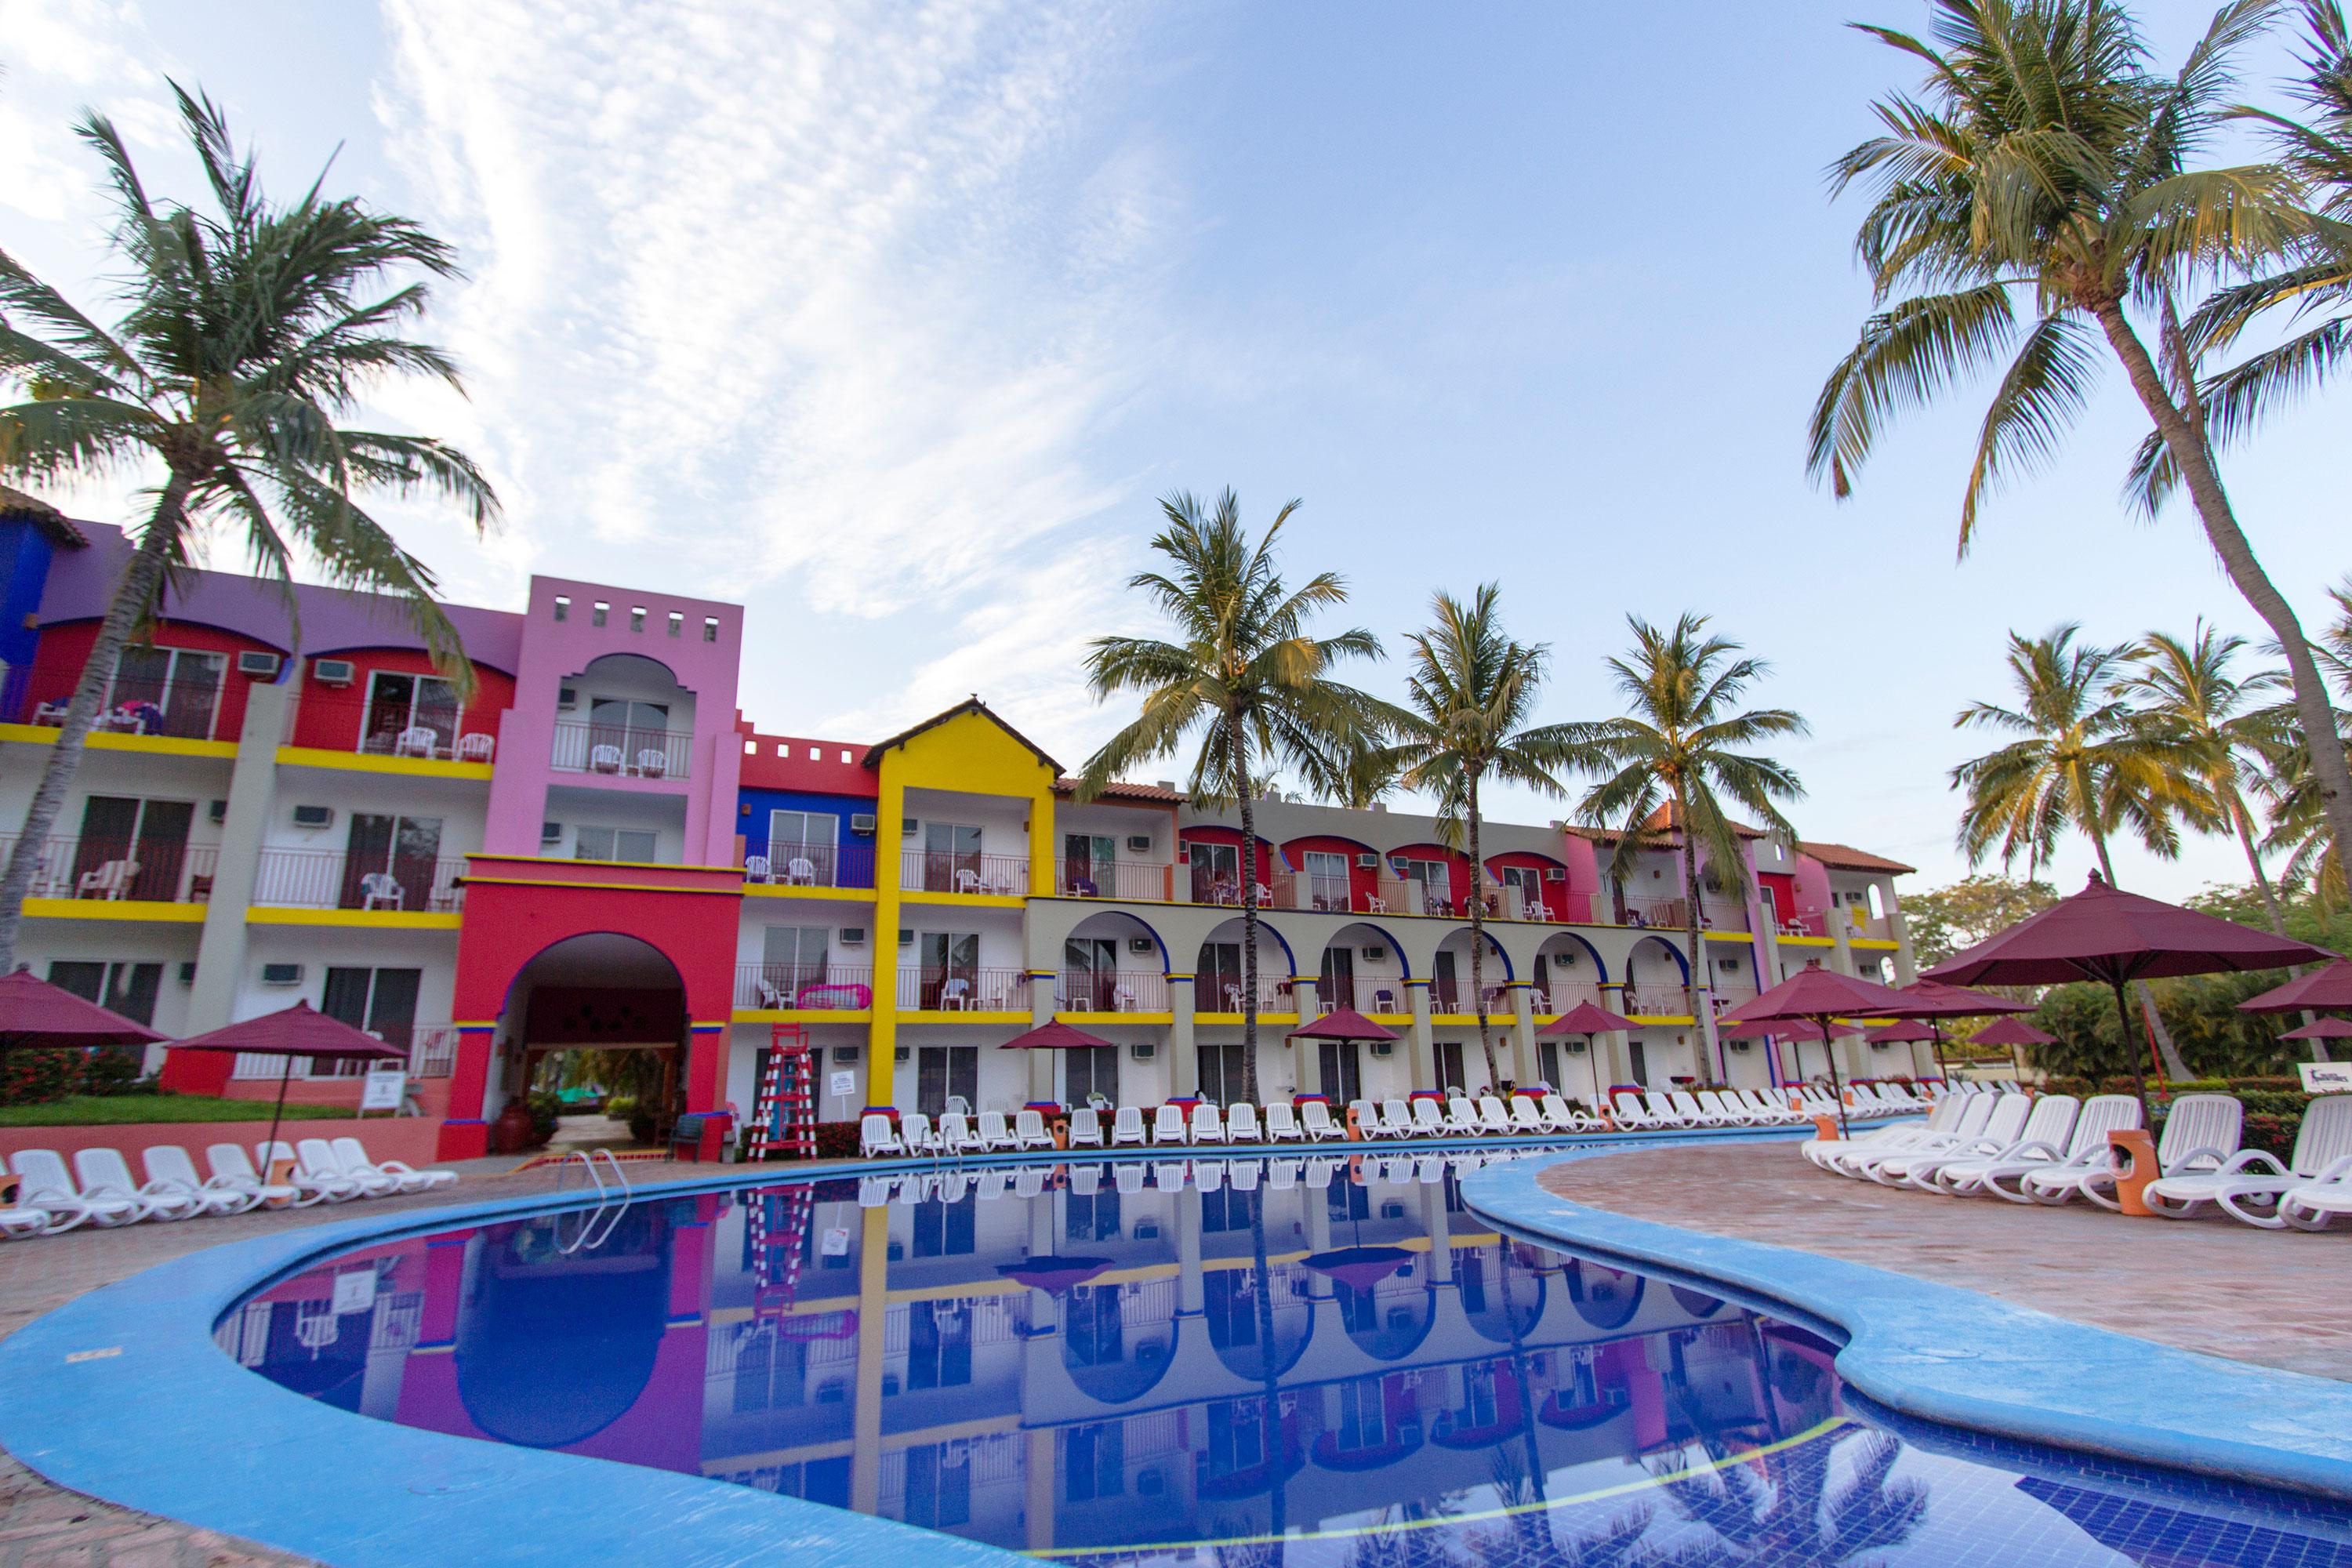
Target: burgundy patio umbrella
x=2323, y=1028
x=1816, y=995
x=2321, y=989
x=1343, y=1025
x=2107, y=935
x=1796, y=1032
x=1054, y=1275
x=301, y=1030
x=1055, y=1037
x=1587, y=1018
x=1934, y=1001
x=2013, y=1032
x=1358, y=1267
x=35, y=1014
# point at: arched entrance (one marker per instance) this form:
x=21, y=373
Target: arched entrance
x=617, y=997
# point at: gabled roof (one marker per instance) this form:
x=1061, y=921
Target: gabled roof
x=1115, y=790
x=969, y=705
x=1846, y=858
x=16, y=506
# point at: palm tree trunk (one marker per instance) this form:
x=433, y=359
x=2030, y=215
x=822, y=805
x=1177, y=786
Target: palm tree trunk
x=2192, y=455
x=2243, y=821
x=1238, y=741
x=2175, y=1069
x=133, y=596
x=1478, y=946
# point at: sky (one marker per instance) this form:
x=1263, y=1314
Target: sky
x=892, y=322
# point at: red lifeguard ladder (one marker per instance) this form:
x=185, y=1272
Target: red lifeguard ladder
x=784, y=1116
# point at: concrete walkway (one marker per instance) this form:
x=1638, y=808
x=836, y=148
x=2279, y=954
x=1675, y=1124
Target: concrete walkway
x=42, y=1525
x=2214, y=1285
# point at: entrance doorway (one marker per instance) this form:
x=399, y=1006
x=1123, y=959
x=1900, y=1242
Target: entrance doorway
x=595, y=1018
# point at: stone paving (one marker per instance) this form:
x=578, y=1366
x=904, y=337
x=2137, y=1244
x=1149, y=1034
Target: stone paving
x=44, y=1526
x=2274, y=1298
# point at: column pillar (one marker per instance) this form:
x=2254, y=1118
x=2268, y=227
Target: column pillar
x=1305, y=1055
x=1906, y=962
x=1183, y=1057
x=1423, y=1047
x=1616, y=1058
x=1841, y=928
x=1437, y=1267
x=252, y=787
x=1523, y=1030
x=1710, y=1063
x=1041, y=1012
x=1192, y=1294
x=865, y=1413
x=878, y=1074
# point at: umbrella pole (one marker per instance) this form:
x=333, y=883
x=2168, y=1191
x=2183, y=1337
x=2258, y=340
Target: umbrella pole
x=2131, y=1050
x=1943, y=1074
x=277, y=1114
x=1829, y=1049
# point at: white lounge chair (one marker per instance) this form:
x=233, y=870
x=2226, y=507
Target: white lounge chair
x=1693, y=1113
x=2200, y=1133
x=1281, y=1122
x=1241, y=1124
x=351, y=1159
x=955, y=1134
x=1369, y=1124
x=1396, y=1119
x=1662, y=1109
x=915, y=1131
x=1492, y=1117
x=1167, y=1125
x=994, y=1132
x=1461, y=1117
x=2252, y=1182
x=42, y=1183
x=2086, y=1151
x=1315, y=1121
x=1720, y=1111
x=2048, y=1134
x=1427, y=1121
x=1167, y=1175
x=104, y=1172
x=1127, y=1126
x=1526, y=1117
x=1029, y=1130
x=318, y=1163
x=232, y=1168
x=1629, y=1112
x=877, y=1136
x=1208, y=1124
x=1242, y=1175
x=1086, y=1128
x=1853, y=1157
x=1767, y=1111
x=2001, y=1129
x=22, y=1219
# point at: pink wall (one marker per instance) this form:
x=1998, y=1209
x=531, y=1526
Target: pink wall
x=1577, y=854
x=406, y=1138
x=553, y=650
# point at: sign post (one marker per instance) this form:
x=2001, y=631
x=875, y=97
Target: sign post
x=383, y=1090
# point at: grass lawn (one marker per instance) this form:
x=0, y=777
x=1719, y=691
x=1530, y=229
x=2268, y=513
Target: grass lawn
x=120, y=1109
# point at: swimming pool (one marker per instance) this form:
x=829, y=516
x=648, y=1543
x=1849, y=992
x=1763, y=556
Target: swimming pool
x=1309, y=1361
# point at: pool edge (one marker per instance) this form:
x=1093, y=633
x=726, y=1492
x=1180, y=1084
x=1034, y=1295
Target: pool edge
x=2026, y=1374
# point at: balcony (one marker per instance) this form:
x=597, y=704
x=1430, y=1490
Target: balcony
x=1651, y=914
x=1278, y=887
x=1722, y=914
x=1136, y=881
x=1111, y=991
x=331, y=720
x=1447, y=996
x=330, y=879
x=804, y=988
x=1563, y=996
x=113, y=869
x=621, y=751
x=1220, y=991
x=812, y=866
x=1813, y=923
x=1656, y=1002
x=432, y=1053
x=958, y=990
x=186, y=707
x=1368, y=994
x=952, y=872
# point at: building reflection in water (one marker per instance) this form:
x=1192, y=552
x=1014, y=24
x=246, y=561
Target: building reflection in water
x=1315, y=1361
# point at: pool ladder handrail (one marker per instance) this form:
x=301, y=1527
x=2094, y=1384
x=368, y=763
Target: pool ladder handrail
x=608, y=1210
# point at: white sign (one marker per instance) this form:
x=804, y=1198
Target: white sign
x=2325, y=1078
x=383, y=1088
x=836, y=1243
x=844, y=1084
x=355, y=1291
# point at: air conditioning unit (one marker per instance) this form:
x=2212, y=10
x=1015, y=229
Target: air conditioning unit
x=905, y=937
x=1376, y=954
x=1575, y=1047
x=1151, y=1482
x=908, y=828
x=1139, y=944
x=852, y=936
x=845, y=1056
x=1139, y=843
x=281, y=975
x=551, y=833
x=902, y=1054
x=264, y=664
x=1555, y=873
x=218, y=810
x=314, y=816
x=1147, y=1230
x=1383, y=1047
x=1143, y=1050
x=1368, y=861
x=188, y=972
x=333, y=672
x=862, y=822
x=567, y=698
x=1740, y=1046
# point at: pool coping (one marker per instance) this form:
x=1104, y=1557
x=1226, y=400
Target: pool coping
x=1945, y=1354
x=122, y=1394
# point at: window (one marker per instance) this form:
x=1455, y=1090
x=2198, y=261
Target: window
x=951, y=857
x=1236, y=1436
x=1092, y=1216
x=941, y=1071
x=128, y=848
x=1437, y=882
x=1548, y=1061
x=562, y=606
x=1529, y=880
x=1335, y=984
x=802, y=845
x=951, y=973
x=1216, y=872
x=710, y=629
x=164, y=692
x=938, y=1494
x=1091, y=1072
x=1363, y=1416
x=393, y=863
x=790, y=958
x=1221, y=1072
x=379, y=1002
x=598, y=612
x=945, y=1230
x=1090, y=974
x=637, y=844
x=1343, y=1070
x=1217, y=978
x=1094, y=1461
x=1327, y=879
x=677, y=624
x=126, y=988
x=409, y=716
x=1089, y=864
x=1449, y=1064
x=636, y=617
x=1095, y=1331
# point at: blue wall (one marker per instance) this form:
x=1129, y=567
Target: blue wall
x=855, y=851
x=25, y=554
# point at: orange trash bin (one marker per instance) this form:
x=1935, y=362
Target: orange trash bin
x=2133, y=1152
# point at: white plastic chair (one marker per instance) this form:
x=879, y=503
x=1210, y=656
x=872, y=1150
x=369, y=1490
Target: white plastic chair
x=110, y=881
x=1241, y=1124
x=23, y=1220
x=993, y=1132
x=955, y=1134
x=955, y=995
x=476, y=747
x=1029, y=1130
x=1208, y=1124
x=1315, y=1121
x=1086, y=1128
x=232, y=1168
x=915, y=1132
x=1993, y=1132
x=2048, y=1130
x=2101, y=1114
x=1127, y=1126
x=1281, y=1122
x=1629, y=1112
x=1427, y=1121
x=1525, y=1117
x=1492, y=1117
x=103, y=1173
x=1396, y=1119
x=2200, y=1134
x=604, y=759
x=1461, y=1115
x=968, y=882
x=381, y=890
x=1368, y=1119
x=416, y=740
x=1168, y=1124
x=169, y=1168
x=46, y=1186
x=351, y=1159
x=877, y=1136
x=319, y=1162
x=653, y=762
x=1662, y=1110
x=800, y=871
x=2252, y=1181
x=757, y=869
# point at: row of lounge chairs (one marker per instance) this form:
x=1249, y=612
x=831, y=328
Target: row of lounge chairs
x=2053, y=1148
x=99, y=1189
x=960, y=1131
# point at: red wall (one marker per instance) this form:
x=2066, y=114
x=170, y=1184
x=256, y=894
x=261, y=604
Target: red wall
x=1457, y=867
x=782, y=762
x=1555, y=894
x=329, y=717
x=64, y=648
x=1363, y=881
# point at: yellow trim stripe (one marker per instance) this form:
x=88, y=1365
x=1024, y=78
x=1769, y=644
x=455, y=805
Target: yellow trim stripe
x=778, y=890
x=115, y=741
x=115, y=909
x=369, y=762
x=381, y=920
x=978, y=900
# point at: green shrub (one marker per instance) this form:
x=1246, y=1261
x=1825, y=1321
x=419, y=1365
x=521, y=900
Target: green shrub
x=36, y=1077
x=544, y=1108
x=621, y=1107
x=112, y=1069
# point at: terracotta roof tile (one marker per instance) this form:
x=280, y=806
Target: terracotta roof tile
x=1846, y=858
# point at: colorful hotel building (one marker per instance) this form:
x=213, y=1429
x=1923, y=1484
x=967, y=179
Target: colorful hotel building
x=596, y=850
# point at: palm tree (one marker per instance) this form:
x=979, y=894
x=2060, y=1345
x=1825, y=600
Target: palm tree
x=245, y=333
x=1243, y=675
x=1683, y=748
x=2037, y=194
x=2082, y=760
x=2187, y=690
x=1467, y=701
x=2297, y=826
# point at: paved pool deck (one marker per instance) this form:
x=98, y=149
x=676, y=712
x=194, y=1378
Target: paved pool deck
x=2270, y=1298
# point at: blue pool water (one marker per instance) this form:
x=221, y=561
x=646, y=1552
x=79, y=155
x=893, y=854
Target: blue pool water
x=1252, y=1362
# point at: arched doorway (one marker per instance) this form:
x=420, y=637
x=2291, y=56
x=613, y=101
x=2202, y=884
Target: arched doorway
x=617, y=997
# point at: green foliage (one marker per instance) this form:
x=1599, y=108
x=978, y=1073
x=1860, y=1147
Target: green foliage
x=621, y=1107
x=2213, y=1038
x=544, y=1108
x=2307, y=917
x=30, y=1077
x=1950, y=920
x=112, y=1069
